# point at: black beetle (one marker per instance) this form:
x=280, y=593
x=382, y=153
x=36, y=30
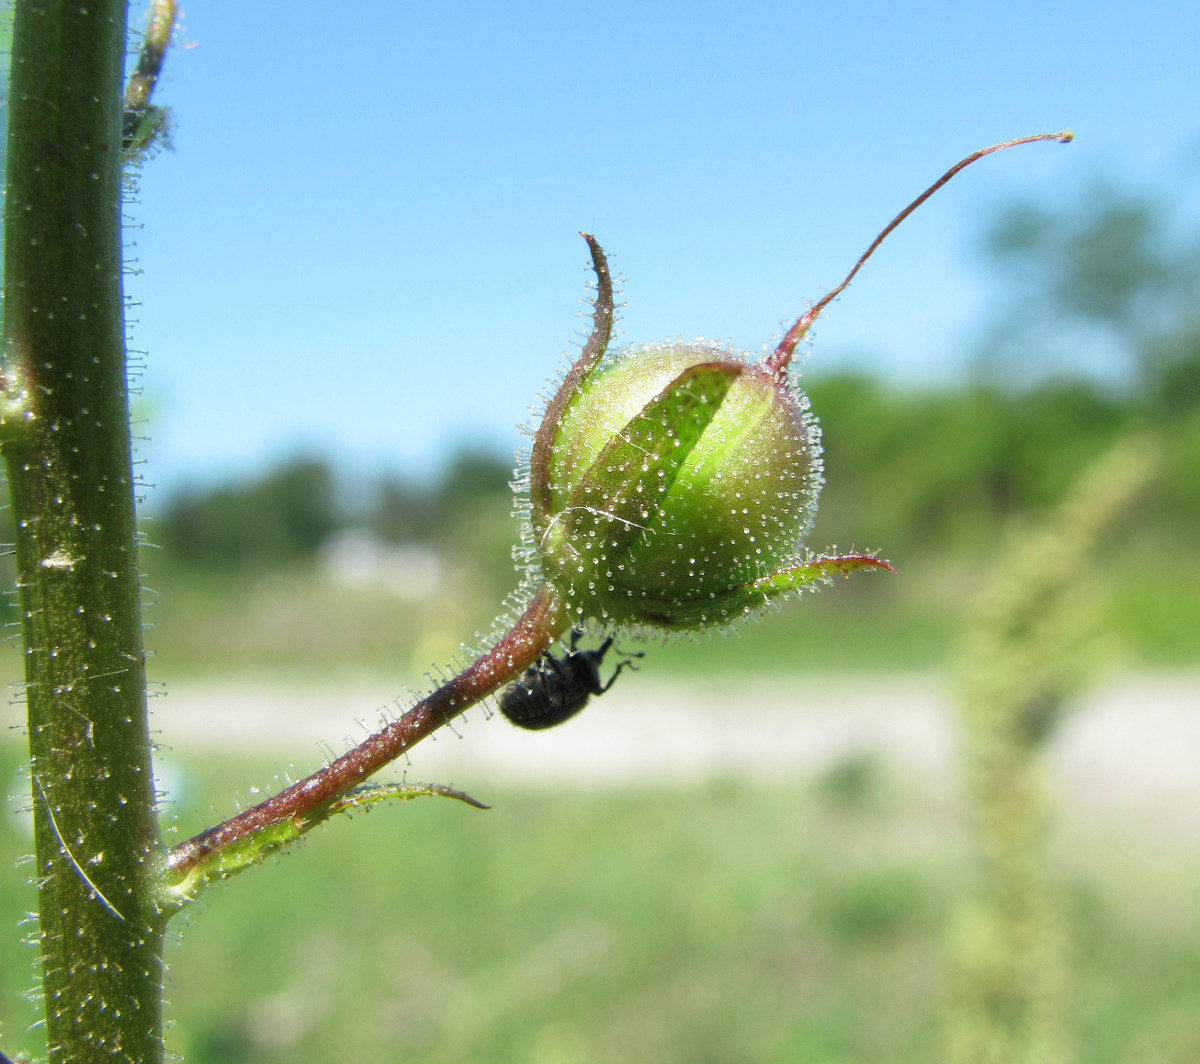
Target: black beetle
x=554, y=689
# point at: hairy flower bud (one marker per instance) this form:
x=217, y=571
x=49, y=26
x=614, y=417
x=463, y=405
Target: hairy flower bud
x=682, y=476
x=672, y=486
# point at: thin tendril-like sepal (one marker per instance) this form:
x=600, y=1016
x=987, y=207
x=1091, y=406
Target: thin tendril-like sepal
x=787, y=346
x=815, y=570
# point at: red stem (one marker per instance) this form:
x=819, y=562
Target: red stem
x=542, y=622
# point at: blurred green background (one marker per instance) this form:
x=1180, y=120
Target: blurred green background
x=802, y=921
x=728, y=921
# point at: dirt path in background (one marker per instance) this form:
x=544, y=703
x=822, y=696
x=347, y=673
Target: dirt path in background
x=1130, y=750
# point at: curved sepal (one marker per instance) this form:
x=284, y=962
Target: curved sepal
x=742, y=600
x=816, y=570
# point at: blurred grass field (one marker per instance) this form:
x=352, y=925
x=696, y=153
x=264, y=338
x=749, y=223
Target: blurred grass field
x=294, y=623
x=798, y=923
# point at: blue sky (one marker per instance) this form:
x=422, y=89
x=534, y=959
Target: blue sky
x=365, y=242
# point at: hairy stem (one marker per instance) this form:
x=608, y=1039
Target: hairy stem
x=543, y=621
x=64, y=434
x=140, y=123
x=150, y=58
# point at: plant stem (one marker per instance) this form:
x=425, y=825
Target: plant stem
x=543, y=621
x=150, y=59
x=137, y=132
x=64, y=433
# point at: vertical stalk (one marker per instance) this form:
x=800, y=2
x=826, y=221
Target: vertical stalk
x=64, y=434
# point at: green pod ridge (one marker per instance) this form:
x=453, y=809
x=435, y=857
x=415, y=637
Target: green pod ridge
x=623, y=491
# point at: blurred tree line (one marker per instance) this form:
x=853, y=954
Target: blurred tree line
x=927, y=472
x=1098, y=333
x=286, y=515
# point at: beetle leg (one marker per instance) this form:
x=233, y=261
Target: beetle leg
x=628, y=660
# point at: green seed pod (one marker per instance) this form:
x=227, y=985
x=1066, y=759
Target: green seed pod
x=681, y=476
x=672, y=487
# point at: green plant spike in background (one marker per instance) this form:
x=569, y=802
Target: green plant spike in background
x=1031, y=643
